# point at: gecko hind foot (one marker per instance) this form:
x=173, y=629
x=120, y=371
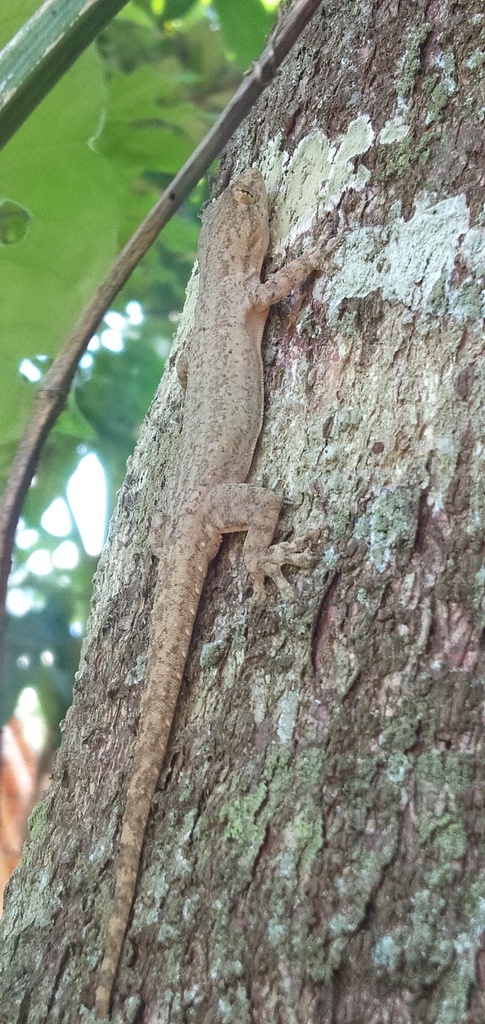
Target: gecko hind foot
x=269, y=565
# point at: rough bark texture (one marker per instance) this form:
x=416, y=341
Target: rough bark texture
x=315, y=852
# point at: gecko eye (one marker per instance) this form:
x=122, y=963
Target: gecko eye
x=242, y=195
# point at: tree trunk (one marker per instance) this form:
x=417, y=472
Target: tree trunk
x=314, y=853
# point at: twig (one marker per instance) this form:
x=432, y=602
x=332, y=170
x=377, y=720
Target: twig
x=51, y=393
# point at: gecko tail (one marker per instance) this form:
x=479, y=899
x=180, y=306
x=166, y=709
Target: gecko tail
x=138, y=803
x=167, y=653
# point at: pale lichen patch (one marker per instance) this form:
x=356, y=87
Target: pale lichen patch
x=388, y=523
x=413, y=265
x=287, y=711
x=394, y=130
x=316, y=175
x=422, y=251
x=410, y=261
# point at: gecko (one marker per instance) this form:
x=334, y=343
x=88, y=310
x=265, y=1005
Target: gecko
x=221, y=371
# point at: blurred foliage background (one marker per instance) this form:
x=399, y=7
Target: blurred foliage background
x=75, y=181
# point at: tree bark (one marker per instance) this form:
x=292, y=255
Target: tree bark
x=314, y=853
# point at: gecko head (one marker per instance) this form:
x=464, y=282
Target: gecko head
x=248, y=189
x=239, y=217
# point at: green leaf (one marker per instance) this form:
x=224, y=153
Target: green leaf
x=14, y=223
x=154, y=149
x=135, y=373
x=245, y=27
x=42, y=50
x=174, y=9
x=131, y=12
x=58, y=226
x=150, y=131
x=180, y=235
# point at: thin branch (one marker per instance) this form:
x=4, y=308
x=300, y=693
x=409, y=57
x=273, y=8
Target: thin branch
x=52, y=392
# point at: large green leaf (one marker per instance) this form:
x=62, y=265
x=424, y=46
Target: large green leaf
x=176, y=8
x=40, y=53
x=150, y=130
x=245, y=27
x=58, y=224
